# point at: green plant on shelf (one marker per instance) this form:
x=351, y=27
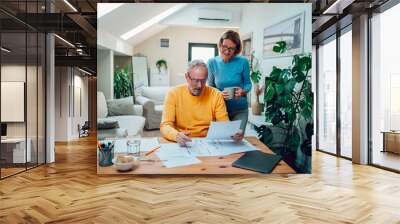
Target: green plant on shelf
x=161, y=65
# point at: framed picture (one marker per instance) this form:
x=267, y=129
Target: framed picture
x=291, y=31
x=247, y=45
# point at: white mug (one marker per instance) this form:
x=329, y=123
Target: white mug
x=230, y=91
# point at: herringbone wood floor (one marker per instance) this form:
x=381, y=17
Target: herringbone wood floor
x=69, y=191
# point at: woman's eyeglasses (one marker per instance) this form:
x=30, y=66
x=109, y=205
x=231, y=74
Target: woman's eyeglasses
x=226, y=48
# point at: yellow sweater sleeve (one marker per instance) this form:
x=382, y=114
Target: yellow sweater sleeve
x=221, y=113
x=167, y=127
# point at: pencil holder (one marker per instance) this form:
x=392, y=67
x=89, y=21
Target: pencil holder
x=106, y=155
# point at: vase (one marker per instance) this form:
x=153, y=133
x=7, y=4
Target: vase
x=257, y=107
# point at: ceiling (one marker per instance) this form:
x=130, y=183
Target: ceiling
x=131, y=16
x=326, y=14
x=79, y=27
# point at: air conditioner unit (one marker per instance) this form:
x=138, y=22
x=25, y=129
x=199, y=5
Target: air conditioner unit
x=214, y=15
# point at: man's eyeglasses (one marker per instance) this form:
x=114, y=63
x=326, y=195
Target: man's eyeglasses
x=201, y=81
x=226, y=48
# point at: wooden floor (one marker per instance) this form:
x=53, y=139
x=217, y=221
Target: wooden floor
x=387, y=159
x=69, y=191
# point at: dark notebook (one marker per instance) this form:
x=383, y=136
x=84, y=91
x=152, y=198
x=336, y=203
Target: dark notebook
x=258, y=161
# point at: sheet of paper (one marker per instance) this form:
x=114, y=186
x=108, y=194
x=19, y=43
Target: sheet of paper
x=181, y=161
x=146, y=144
x=223, y=129
x=203, y=147
x=173, y=155
x=120, y=146
x=230, y=147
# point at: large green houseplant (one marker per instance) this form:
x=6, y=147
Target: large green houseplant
x=289, y=107
x=123, y=84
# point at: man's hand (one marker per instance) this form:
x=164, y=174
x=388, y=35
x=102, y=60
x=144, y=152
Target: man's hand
x=238, y=136
x=182, y=138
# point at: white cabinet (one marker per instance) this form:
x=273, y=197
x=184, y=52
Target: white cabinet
x=159, y=78
x=140, y=73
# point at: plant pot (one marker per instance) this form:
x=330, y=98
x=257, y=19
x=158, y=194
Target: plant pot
x=256, y=108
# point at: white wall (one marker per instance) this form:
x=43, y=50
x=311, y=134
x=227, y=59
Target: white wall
x=17, y=73
x=34, y=124
x=177, y=53
x=67, y=120
x=80, y=117
x=105, y=72
x=189, y=15
x=62, y=81
x=256, y=17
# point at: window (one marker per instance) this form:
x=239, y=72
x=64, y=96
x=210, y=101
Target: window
x=202, y=51
x=385, y=89
x=327, y=97
x=346, y=94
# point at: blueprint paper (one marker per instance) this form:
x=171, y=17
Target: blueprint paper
x=206, y=147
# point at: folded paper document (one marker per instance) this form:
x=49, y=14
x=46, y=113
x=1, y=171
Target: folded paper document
x=223, y=129
x=206, y=147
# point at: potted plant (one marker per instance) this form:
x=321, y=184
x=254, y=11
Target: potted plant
x=255, y=76
x=289, y=107
x=122, y=83
x=161, y=65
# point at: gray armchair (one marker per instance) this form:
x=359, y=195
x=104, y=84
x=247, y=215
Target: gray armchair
x=152, y=100
x=128, y=117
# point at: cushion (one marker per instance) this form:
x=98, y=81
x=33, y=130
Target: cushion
x=138, y=110
x=107, y=123
x=133, y=124
x=123, y=106
x=101, y=105
x=157, y=94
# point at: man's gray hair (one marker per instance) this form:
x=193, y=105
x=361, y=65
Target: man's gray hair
x=196, y=63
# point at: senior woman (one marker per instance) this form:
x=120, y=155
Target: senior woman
x=231, y=70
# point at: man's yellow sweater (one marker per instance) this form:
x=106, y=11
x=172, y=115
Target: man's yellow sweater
x=184, y=112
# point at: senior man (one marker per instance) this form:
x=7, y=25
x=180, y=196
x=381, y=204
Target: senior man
x=190, y=108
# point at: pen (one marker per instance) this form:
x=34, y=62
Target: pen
x=152, y=150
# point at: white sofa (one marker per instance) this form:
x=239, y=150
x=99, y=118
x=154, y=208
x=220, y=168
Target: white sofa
x=152, y=100
x=130, y=124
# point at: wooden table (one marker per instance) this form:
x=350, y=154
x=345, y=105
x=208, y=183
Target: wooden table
x=209, y=165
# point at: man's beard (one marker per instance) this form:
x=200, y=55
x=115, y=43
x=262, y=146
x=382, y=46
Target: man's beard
x=196, y=91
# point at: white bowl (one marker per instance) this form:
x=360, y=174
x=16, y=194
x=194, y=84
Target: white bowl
x=125, y=162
